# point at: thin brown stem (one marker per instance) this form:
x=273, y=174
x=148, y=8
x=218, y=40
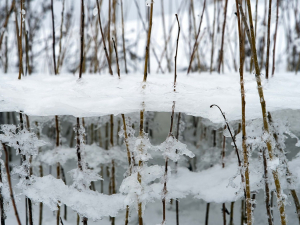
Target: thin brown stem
x=53, y=45
x=231, y=213
x=175, y=72
x=280, y=197
x=3, y=216
x=59, y=62
x=223, y=34
x=103, y=40
x=244, y=135
x=148, y=42
x=267, y=189
x=9, y=183
x=118, y=68
x=268, y=39
x=81, y=39
x=275, y=38
x=165, y=36
x=196, y=41
x=6, y=21
x=123, y=38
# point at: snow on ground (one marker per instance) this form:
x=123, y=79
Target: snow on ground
x=94, y=95
x=215, y=185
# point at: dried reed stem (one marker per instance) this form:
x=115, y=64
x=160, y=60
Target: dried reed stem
x=275, y=37
x=9, y=183
x=243, y=101
x=196, y=41
x=268, y=39
x=81, y=39
x=103, y=40
x=280, y=198
x=118, y=68
x=148, y=42
x=59, y=61
x=53, y=49
x=223, y=34
x=123, y=38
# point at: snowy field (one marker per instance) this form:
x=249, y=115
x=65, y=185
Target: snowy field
x=48, y=95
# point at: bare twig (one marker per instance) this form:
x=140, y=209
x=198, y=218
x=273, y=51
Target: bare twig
x=81, y=39
x=268, y=40
x=223, y=34
x=103, y=40
x=196, y=41
x=275, y=38
x=118, y=68
x=148, y=42
x=53, y=41
x=9, y=184
x=123, y=37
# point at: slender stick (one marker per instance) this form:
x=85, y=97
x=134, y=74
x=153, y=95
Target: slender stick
x=20, y=37
x=213, y=40
x=176, y=164
x=288, y=173
x=57, y=166
x=171, y=129
x=3, y=216
x=41, y=175
x=59, y=62
x=267, y=189
x=19, y=42
x=129, y=162
x=242, y=212
x=268, y=40
x=118, y=68
x=10, y=185
x=79, y=158
x=280, y=198
x=236, y=149
x=103, y=40
x=231, y=213
x=139, y=176
x=53, y=46
x=113, y=179
x=123, y=38
x=108, y=29
x=196, y=41
x=243, y=102
x=175, y=72
x=275, y=38
x=207, y=213
x=181, y=7
x=195, y=33
x=148, y=42
x=223, y=166
x=223, y=34
x=165, y=36
x=81, y=39
x=6, y=21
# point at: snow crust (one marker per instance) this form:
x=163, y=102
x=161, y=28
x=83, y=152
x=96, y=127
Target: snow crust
x=215, y=184
x=93, y=205
x=98, y=95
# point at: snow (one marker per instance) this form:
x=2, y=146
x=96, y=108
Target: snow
x=50, y=190
x=94, y=95
x=211, y=185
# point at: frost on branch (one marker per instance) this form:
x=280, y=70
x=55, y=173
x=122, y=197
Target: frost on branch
x=173, y=149
x=24, y=141
x=142, y=192
x=140, y=149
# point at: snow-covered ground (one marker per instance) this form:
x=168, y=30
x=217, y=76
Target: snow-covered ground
x=46, y=95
